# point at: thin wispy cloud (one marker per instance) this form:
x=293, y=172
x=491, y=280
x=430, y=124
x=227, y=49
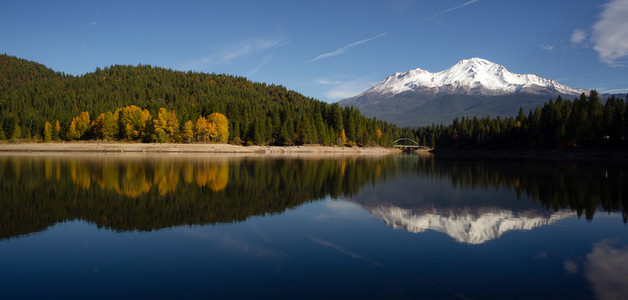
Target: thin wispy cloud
x=231, y=52
x=345, y=48
x=93, y=23
x=324, y=81
x=615, y=91
x=262, y=64
x=451, y=9
x=610, y=33
x=548, y=48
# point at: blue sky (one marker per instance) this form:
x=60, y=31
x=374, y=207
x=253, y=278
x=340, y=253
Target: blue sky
x=328, y=50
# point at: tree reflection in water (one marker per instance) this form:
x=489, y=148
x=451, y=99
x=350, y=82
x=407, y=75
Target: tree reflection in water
x=152, y=192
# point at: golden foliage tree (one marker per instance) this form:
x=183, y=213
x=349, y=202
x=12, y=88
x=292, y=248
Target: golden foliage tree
x=72, y=133
x=188, y=132
x=133, y=122
x=166, y=126
x=219, y=126
x=202, y=129
x=79, y=125
x=106, y=126
x=57, y=131
x=47, y=132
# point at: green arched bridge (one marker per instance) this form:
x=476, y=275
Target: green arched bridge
x=406, y=143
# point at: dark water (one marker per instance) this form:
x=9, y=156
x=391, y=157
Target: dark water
x=396, y=227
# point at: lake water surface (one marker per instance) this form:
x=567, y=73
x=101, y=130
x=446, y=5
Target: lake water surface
x=392, y=227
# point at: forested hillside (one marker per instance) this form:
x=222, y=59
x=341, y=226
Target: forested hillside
x=139, y=102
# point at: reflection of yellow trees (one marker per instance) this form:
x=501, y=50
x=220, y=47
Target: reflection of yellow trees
x=188, y=173
x=48, y=168
x=166, y=178
x=80, y=174
x=108, y=178
x=133, y=179
x=216, y=176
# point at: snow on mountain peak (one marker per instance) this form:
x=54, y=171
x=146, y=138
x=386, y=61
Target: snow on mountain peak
x=469, y=76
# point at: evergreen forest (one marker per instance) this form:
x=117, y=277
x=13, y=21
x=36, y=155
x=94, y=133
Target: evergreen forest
x=584, y=122
x=150, y=104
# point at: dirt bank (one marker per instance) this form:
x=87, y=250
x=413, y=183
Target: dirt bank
x=96, y=147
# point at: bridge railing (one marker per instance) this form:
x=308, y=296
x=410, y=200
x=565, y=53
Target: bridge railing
x=411, y=143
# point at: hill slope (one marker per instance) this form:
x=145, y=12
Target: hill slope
x=258, y=113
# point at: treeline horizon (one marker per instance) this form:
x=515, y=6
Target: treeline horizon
x=584, y=122
x=32, y=95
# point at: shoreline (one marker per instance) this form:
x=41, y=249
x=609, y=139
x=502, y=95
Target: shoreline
x=96, y=147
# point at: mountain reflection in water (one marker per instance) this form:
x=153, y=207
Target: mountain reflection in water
x=464, y=227
x=472, y=201
x=477, y=201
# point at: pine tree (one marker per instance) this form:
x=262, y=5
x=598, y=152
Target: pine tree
x=336, y=118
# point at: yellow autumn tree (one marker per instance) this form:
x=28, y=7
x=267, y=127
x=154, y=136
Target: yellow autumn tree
x=188, y=132
x=219, y=127
x=47, y=132
x=79, y=126
x=57, y=131
x=82, y=123
x=106, y=126
x=202, y=129
x=166, y=126
x=133, y=122
x=72, y=133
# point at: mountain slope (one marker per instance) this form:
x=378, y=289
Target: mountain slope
x=472, y=87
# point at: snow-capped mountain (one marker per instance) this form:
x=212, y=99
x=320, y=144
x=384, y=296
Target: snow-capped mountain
x=471, y=87
x=473, y=76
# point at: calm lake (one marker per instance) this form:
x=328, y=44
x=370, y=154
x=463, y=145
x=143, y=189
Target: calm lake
x=387, y=227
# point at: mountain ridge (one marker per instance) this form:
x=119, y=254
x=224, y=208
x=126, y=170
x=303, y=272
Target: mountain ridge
x=471, y=87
